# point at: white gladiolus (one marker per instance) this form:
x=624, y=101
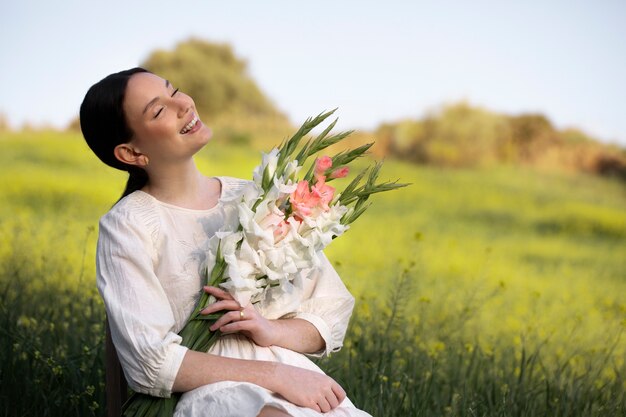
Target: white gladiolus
x=273, y=246
x=269, y=163
x=291, y=170
x=285, y=188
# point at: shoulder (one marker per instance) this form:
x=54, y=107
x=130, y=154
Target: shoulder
x=137, y=211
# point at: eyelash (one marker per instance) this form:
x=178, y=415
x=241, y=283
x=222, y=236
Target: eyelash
x=161, y=109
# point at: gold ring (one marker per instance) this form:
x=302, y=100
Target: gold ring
x=241, y=314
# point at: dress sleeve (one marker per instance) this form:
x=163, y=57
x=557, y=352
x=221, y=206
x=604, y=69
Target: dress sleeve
x=328, y=308
x=139, y=314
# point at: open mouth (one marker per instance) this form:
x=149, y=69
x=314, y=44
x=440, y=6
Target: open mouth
x=189, y=126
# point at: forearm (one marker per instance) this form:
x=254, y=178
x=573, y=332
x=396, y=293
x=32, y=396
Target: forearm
x=298, y=335
x=200, y=368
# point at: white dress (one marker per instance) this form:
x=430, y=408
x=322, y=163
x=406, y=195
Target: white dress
x=148, y=273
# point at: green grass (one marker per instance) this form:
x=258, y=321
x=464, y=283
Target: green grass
x=492, y=292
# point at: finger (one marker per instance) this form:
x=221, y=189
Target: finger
x=248, y=313
x=339, y=392
x=243, y=322
x=324, y=405
x=218, y=292
x=233, y=316
x=221, y=305
x=236, y=327
x=332, y=399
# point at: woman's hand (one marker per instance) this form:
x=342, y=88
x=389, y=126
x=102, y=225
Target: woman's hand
x=246, y=320
x=308, y=388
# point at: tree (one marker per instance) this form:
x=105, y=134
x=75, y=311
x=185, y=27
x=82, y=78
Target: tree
x=215, y=78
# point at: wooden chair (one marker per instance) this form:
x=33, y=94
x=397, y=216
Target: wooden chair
x=116, y=387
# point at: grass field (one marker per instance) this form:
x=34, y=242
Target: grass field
x=493, y=292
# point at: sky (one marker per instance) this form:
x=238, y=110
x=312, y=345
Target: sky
x=378, y=61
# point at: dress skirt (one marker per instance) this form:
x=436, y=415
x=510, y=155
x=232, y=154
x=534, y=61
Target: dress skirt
x=243, y=399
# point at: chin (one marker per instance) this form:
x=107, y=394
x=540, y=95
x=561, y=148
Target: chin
x=204, y=138
x=209, y=133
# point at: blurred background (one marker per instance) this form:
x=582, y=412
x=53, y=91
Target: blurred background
x=493, y=285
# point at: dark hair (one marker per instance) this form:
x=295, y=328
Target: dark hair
x=104, y=124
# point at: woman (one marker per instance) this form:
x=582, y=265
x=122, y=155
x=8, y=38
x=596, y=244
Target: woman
x=148, y=262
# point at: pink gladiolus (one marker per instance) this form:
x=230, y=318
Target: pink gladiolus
x=322, y=164
x=302, y=200
x=325, y=194
x=340, y=173
x=301, y=211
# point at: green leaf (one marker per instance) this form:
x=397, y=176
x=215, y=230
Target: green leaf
x=290, y=146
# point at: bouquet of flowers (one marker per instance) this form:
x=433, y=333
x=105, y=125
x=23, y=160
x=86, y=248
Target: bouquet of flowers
x=284, y=221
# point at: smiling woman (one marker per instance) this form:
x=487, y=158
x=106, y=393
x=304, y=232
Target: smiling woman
x=149, y=270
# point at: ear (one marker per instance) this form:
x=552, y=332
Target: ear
x=128, y=154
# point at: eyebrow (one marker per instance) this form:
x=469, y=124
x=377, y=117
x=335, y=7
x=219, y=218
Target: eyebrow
x=154, y=100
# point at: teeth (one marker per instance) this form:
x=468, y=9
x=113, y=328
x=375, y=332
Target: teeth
x=190, y=125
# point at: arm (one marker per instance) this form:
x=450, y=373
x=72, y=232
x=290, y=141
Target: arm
x=296, y=334
x=141, y=320
x=299, y=386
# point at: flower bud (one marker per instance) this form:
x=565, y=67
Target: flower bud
x=322, y=164
x=340, y=172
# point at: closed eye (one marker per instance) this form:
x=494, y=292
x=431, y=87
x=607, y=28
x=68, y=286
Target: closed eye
x=161, y=109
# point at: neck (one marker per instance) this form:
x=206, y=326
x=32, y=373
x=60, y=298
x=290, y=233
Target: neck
x=182, y=185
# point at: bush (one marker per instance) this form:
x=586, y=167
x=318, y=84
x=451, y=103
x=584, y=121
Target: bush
x=461, y=135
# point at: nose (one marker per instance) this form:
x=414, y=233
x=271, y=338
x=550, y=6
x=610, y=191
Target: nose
x=183, y=105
